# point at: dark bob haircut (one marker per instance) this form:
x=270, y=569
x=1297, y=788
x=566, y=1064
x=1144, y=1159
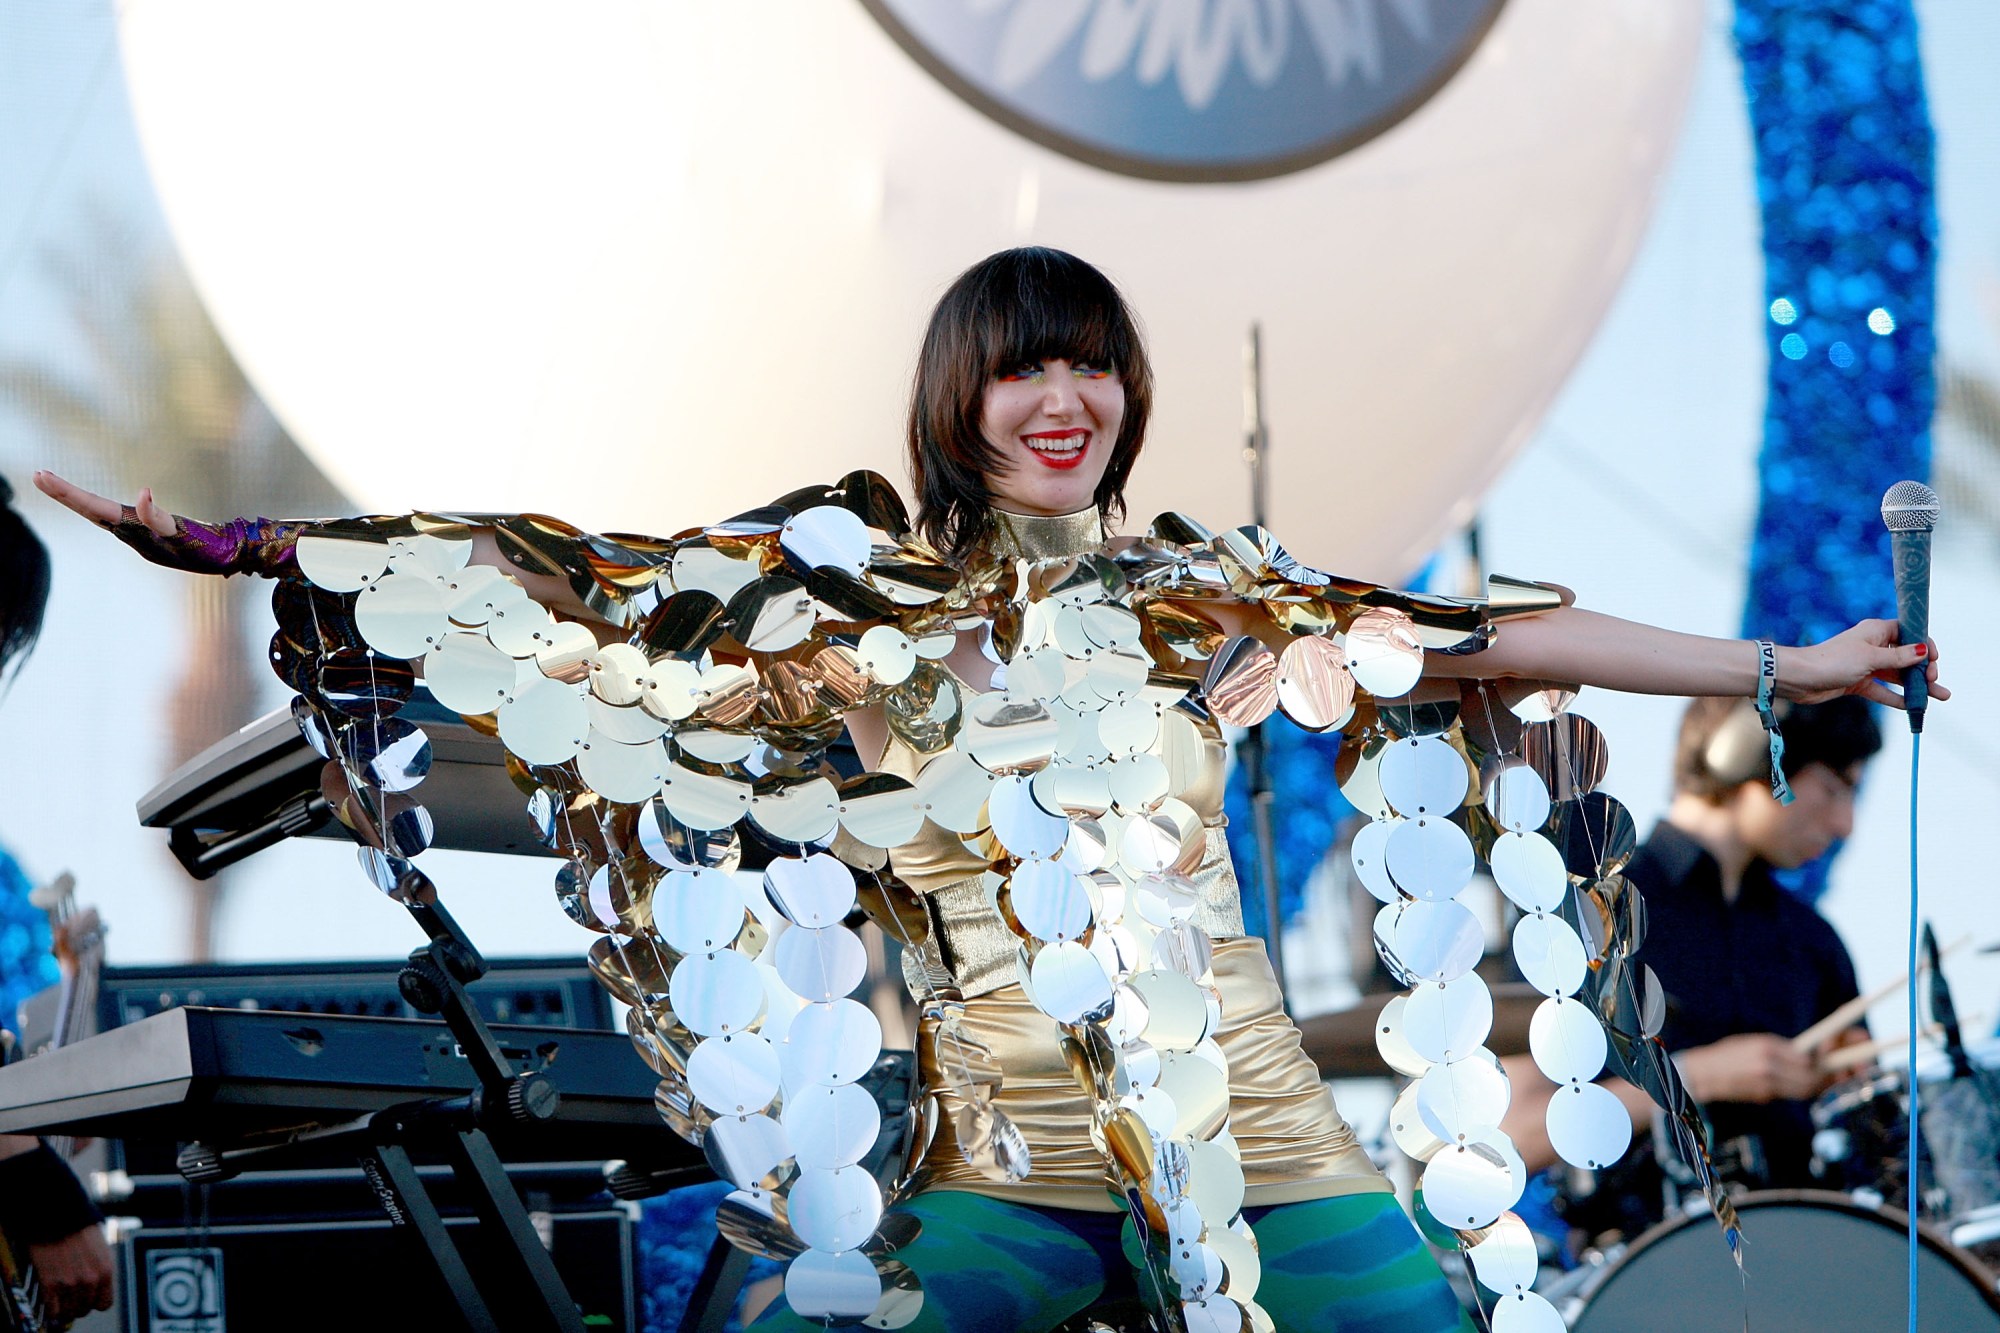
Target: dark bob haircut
x=24, y=581
x=1031, y=304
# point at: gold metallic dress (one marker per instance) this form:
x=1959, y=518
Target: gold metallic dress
x=1096, y=1030
x=1293, y=1142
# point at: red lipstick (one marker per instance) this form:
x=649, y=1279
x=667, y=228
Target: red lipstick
x=1059, y=449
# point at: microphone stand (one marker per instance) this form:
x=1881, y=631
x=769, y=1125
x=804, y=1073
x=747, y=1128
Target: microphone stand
x=1253, y=749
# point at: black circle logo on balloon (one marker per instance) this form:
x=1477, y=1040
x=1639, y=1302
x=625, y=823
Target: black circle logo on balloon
x=1192, y=90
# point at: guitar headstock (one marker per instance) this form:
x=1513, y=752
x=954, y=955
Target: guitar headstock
x=76, y=933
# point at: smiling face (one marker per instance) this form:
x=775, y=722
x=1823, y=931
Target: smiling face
x=1051, y=426
x=1031, y=396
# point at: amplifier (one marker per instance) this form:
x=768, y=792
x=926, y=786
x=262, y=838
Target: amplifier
x=553, y=992
x=335, y=1277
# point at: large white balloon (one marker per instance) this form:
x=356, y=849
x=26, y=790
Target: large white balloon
x=643, y=265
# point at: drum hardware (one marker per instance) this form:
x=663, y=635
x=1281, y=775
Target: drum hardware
x=1814, y=1260
x=1568, y=1291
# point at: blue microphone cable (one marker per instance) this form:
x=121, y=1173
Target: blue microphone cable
x=1916, y=754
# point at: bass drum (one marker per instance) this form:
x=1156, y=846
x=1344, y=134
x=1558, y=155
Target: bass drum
x=1811, y=1261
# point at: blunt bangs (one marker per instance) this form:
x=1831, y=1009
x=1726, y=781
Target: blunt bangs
x=1012, y=308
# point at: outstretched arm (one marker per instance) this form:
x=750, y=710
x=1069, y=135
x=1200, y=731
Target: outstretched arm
x=1595, y=649
x=201, y=548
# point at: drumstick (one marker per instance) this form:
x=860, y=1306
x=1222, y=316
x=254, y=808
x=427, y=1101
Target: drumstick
x=1847, y=1014
x=1866, y=1052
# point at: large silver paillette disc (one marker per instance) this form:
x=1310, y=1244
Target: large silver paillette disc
x=1429, y=857
x=1200, y=1092
x=429, y=554
x=1526, y=1312
x=1023, y=827
x=1384, y=653
x=1566, y=1040
x=1149, y=844
x=902, y=1291
x=1505, y=1259
x=1197, y=1270
x=470, y=594
x=1424, y=776
x=830, y=1128
x=341, y=564
x=393, y=754
x=823, y=1286
x=835, y=1210
x=1243, y=1269
x=1588, y=1125
x=805, y=812
x=1216, y=1185
x=1467, y=1185
x=827, y=535
x=830, y=1044
x=747, y=1151
x=1392, y=1039
x=1408, y=1129
x=545, y=722
x=1549, y=954
x=1518, y=798
x=515, y=624
x=886, y=654
x=1139, y=782
x=953, y=790
x=1368, y=853
x=1213, y=1314
x=1458, y=1099
x=821, y=965
x=1446, y=1021
x=1069, y=984
x=1529, y=870
x=716, y=993
x=814, y=891
x=1128, y=727
x=1166, y=901
x=1050, y=902
x=700, y=800
x=618, y=673
x=1177, y=1015
x=1438, y=940
x=678, y=847
x=402, y=615
x=880, y=809
x=735, y=1074
x=628, y=724
x=629, y=773
x=467, y=674
x=1008, y=734
x=672, y=689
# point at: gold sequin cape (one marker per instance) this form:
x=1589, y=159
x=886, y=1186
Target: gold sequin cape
x=1094, y=1027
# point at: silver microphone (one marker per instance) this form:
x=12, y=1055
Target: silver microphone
x=1910, y=511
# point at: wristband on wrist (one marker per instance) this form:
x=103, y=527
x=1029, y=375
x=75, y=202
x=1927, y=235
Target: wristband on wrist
x=1767, y=684
x=41, y=1200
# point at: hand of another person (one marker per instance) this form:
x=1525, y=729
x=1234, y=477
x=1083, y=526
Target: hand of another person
x=1750, y=1067
x=1858, y=660
x=240, y=546
x=75, y=1273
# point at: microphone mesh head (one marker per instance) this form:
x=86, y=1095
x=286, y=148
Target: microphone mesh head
x=1910, y=506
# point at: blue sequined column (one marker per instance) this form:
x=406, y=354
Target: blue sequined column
x=1308, y=808
x=1845, y=180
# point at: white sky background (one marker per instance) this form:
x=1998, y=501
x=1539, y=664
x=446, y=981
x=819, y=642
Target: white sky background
x=1639, y=490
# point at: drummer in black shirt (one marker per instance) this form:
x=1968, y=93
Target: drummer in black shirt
x=1746, y=964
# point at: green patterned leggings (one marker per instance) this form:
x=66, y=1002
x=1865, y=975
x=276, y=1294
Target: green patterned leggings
x=1352, y=1264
